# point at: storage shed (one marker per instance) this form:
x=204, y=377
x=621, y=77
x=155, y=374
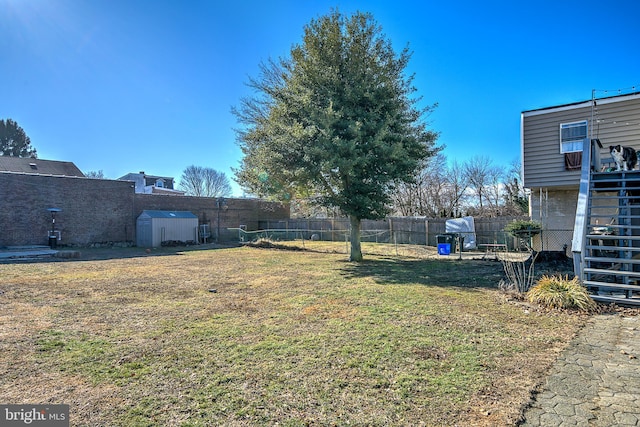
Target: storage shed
x=153, y=228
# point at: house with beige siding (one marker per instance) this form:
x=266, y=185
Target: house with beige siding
x=574, y=185
x=552, y=142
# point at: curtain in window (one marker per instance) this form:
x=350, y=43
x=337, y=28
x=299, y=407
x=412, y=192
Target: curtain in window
x=573, y=161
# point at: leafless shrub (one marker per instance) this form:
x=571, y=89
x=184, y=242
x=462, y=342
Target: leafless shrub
x=520, y=274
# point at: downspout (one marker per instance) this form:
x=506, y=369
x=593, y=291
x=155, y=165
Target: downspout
x=546, y=216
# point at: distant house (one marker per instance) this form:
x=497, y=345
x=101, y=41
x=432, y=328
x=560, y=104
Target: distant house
x=30, y=165
x=152, y=184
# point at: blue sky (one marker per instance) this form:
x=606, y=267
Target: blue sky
x=129, y=85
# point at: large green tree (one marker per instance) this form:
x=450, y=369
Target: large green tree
x=14, y=141
x=335, y=122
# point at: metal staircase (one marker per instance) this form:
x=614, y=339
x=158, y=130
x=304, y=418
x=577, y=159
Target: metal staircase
x=611, y=255
x=606, y=234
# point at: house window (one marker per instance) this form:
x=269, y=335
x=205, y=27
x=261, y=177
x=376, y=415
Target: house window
x=572, y=136
x=160, y=183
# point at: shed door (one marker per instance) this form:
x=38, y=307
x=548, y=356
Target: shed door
x=144, y=233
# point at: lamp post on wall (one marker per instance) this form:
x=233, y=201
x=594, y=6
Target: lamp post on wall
x=53, y=238
x=221, y=203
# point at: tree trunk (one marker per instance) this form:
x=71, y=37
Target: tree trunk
x=356, y=249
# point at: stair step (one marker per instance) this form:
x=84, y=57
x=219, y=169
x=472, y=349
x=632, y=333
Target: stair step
x=612, y=237
x=613, y=227
x=612, y=272
x=613, y=182
x=608, y=251
x=600, y=196
x=619, y=286
x=608, y=216
x=610, y=207
x=605, y=192
x=612, y=185
x=619, y=229
x=614, y=176
x=613, y=247
x=621, y=301
x=613, y=260
x=613, y=197
x=601, y=186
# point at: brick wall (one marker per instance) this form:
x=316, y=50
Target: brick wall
x=232, y=212
x=100, y=211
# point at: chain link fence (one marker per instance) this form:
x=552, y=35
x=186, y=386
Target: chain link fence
x=407, y=231
x=553, y=240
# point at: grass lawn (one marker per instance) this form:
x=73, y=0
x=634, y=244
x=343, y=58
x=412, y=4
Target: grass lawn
x=288, y=337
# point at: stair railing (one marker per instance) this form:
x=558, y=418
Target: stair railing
x=590, y=151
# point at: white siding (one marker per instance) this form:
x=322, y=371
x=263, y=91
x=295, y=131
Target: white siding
x=155, y=227
x=174, y=229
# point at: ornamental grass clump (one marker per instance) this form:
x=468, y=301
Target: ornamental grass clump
x=560, y=292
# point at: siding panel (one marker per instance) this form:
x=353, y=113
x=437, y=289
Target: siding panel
x=615, y=121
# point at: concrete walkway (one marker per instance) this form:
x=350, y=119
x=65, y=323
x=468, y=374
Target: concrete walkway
x=26, y=252
x=596, y=381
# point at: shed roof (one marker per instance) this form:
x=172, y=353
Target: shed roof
x=38, y=166
x=166, y=214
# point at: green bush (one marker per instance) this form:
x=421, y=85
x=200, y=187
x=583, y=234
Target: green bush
x=523, y=226
x=560, y=292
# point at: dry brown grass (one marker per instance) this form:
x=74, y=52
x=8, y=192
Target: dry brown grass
x=288, y=337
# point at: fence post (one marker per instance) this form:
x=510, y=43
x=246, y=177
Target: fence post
x=333, y=228
x=346, y=242
x=426, y=232
x=395, y=242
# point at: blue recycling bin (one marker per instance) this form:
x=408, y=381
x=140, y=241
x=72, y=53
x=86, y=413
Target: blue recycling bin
x=444, y=248
x=447, y=238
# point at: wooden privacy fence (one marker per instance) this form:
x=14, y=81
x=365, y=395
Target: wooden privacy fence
x=400, y=230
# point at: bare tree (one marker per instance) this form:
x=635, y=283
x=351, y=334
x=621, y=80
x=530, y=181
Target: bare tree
x=436, y=191
x=216, y=183
x=485, y=184
x=495, y=191
x=408, y=198
x=456, y=194
x=205, y=182
x=477, y=187
x=95, y=174
x=516, y=198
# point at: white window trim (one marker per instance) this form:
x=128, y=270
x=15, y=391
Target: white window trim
x=574, y=143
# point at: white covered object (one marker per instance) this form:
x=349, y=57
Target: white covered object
x=465, y=227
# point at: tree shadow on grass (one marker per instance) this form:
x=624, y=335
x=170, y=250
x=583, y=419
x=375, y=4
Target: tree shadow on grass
x=107, y=253
x=445, y=273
